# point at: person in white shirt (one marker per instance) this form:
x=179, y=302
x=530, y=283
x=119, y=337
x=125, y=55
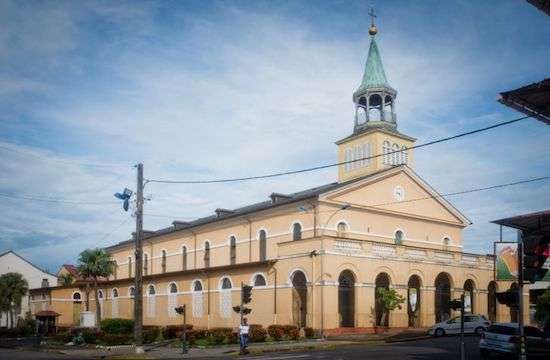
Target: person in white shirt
x=244, y=328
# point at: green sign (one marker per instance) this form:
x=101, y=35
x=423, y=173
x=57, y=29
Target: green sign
x=506, y=261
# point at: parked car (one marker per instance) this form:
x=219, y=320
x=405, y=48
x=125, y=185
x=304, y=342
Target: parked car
x=504, y=338
x=473, y=324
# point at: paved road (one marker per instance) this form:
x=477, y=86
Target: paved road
x=445, y=348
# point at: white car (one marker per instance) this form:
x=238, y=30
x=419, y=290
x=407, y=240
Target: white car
x=473, y=324
x=504, y=339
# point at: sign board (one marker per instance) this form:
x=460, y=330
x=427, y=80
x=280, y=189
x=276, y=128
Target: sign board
x=506, y=261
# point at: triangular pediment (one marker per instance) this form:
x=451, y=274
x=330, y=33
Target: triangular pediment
x=398, y=190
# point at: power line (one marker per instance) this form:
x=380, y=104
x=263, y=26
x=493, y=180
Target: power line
x=468, y=191
x=66, y=162
x=53, y=200
x=315, y=168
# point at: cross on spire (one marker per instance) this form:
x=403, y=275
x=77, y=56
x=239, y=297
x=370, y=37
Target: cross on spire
x=372, y=15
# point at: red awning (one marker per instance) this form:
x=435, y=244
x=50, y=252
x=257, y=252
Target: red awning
x=45, y=313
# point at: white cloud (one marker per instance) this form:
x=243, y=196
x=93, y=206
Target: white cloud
x=252, y=94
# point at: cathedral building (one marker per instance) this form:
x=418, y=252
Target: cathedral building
x=315, y=258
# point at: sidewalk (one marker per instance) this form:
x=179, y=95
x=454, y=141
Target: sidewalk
x=167, y=352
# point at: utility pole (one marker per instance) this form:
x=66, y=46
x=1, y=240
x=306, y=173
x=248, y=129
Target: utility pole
x=522, y=353
x=138, y=295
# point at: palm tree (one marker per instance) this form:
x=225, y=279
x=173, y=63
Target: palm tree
x=94, y=264
x=13, y=287
x=66, y=279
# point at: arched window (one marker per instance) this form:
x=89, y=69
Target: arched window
x=197, y=299
x=114, y=303
x=184, y=258
x=173, y=288
x=296, y=231
x=145, y=264
x=77, y=297
x=395, y=156
x=225, y=297
x=151, y=301
x=197, y=286
x=232, y=250
x=446, y=241
x=129, y=266
x=375, y=107
x=163, y=261
x=262, y=238
x=101, y=298
x=399, y=236
x=341, y=229
x=386, y=152
x=172, y=299
x=348, y=158
x=206, y=254
x=404, y=155
x=131, y=291
x=259, y=280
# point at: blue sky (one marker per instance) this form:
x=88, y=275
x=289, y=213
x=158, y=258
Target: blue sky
x=199, y=89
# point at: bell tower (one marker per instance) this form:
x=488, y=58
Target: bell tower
x=375, y=126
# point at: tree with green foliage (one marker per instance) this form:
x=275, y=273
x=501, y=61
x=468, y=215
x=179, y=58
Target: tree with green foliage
x=542, y=312
x=66, y=279
x=388, y=300
x=13, y=287
x=94, y=264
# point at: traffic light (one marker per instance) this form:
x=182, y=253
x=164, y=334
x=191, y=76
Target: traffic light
x=509, y=298
x=246, y=294
x=535, y=253
x=246, y=310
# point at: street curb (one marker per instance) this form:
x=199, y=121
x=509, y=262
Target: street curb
x=423, y=337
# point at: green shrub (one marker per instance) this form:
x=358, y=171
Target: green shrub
x=310, y=333
x=116, y=339
x=194, y=335
x=175, y=331
x=63, y=337
x=151, y=334
x=117, y=326
x=9, y=333
x=291, y=332
x=90, y=335
x=275, y=332
x=222, y=335
x=257, y=333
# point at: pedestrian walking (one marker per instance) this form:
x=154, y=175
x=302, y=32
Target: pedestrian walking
x=244, y=328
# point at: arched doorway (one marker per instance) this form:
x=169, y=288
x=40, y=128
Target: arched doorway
x=299, y=299
x=382, y=282
x=346, y=298
x=492, y=301
x=442, y=297
x=514, y=316
x=413, y=300
x=469, y=299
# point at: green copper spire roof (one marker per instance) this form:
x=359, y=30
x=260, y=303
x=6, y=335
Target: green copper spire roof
x=374, y=70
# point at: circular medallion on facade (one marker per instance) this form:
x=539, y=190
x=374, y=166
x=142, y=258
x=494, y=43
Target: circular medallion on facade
x=399, y=193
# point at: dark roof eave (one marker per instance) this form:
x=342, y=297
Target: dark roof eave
x=172, y=274
x=527, y=222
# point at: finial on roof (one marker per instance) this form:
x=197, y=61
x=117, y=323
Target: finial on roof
x=372, y=30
